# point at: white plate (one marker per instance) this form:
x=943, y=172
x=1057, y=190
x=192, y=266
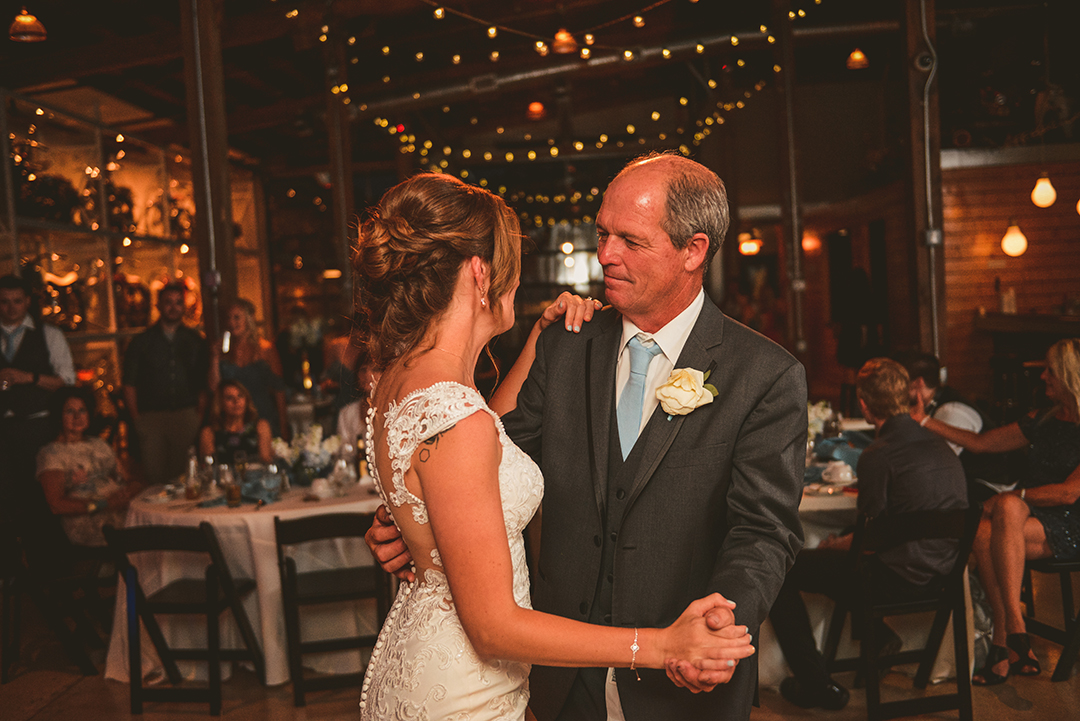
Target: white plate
x=162, y=496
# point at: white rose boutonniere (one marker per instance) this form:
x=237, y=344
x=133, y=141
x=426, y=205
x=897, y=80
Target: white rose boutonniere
x=685, y=390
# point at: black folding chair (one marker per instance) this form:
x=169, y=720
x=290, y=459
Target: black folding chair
x=209, y=596
x=944, y=597
x=328, y=585
x=1069, y=637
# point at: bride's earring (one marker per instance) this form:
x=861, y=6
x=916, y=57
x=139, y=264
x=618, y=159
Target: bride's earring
x=483, y=298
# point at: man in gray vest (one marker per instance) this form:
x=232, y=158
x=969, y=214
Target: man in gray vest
x=650, y=504
x=35, y=360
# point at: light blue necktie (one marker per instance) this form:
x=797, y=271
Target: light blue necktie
x=628, y=412
x=10, y=339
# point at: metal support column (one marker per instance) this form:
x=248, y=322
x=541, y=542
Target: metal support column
x=790, y=212
x=200, y=23
x=925, y=169
x=340, y=139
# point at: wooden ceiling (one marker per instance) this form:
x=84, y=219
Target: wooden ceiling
x=397, y=60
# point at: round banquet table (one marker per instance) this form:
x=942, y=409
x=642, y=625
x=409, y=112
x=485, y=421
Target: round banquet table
x=246, y=535
x=832, y=511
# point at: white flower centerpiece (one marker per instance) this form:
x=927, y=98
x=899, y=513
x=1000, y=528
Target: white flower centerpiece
x=310, y=456
x=816, y=415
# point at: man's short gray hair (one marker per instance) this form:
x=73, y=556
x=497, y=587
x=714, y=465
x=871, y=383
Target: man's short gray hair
x=696, y=201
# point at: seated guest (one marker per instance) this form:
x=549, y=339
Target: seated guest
x=1041, y=519
x=987, y=473
x=352, y=418
x=905, y=469
x=235, y=426
x=80, y=475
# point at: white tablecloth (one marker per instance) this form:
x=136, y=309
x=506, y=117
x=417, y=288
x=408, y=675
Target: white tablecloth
x=822, y=515
x=246, y=535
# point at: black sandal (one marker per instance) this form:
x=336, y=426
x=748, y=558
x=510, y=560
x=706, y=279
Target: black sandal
x=986, y=676
x=1027, y=664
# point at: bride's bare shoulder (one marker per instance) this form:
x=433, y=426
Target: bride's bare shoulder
x=399, y=383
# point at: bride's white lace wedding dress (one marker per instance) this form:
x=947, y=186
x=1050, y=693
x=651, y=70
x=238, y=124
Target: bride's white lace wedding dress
x=423, y=666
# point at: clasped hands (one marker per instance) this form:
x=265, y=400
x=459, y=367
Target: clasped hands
x=14, y=376
x=715, y=612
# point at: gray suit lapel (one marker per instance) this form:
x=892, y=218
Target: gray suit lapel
x=602, y=354
x=698, y=352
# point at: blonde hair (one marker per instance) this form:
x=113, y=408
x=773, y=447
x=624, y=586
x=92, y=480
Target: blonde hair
x=882, y=385
x=248, y=309
x=411, y=249
x=1064, y=361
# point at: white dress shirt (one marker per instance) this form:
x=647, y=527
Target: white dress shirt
x=671, y=338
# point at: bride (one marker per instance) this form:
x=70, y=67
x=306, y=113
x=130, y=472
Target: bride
x=437, y=268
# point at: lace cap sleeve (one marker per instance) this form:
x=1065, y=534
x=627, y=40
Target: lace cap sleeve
x=421, y=415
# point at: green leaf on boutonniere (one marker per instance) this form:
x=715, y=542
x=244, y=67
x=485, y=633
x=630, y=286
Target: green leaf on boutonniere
x=706, y=377
x=712, y=389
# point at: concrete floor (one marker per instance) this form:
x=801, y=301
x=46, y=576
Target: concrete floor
x=47, y=688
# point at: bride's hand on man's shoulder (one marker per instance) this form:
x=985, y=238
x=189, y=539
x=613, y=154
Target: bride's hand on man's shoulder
x=714, y=647
x=573, y=309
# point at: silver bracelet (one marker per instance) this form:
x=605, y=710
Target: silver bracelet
x=634, y=648
x=1023, y=493
x=924, y=421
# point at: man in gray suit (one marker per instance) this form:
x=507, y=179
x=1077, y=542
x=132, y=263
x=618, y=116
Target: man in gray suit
x=645, y=508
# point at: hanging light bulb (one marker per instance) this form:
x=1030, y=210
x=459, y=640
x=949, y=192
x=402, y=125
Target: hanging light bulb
x=1013, y=242
x=1043, y=194
x=1078, y=207
x=26, y=28
x=749, y=244
x=857, y=60
x=564, y=42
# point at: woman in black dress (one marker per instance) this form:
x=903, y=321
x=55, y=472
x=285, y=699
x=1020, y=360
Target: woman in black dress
x=235, y=426
x=1039, y=519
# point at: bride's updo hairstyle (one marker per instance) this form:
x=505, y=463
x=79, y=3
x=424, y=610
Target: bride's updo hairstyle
x=411, y=249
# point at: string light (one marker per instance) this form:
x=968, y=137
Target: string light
x=713, y=117
x=564, y=40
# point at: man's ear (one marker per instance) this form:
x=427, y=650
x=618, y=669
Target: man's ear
x=866, y=414
x=697, y=250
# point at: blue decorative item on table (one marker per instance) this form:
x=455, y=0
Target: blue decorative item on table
x=309, y=456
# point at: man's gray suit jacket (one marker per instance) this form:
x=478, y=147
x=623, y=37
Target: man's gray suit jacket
x=713, y=505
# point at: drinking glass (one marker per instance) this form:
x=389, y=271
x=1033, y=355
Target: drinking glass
x=240, y=461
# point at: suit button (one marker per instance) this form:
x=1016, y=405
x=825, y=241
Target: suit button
x=607, y=618
x=614, y=536
x=620, y=494
x=596, y=540
x=611, y=578
x=584, y=607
